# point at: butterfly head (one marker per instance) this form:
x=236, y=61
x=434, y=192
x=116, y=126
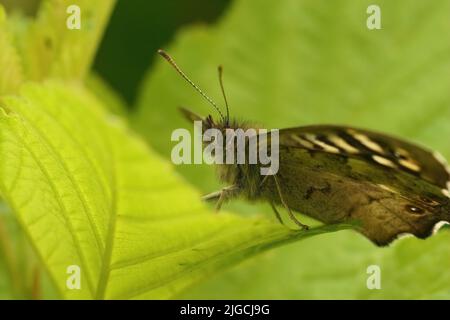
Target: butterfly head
x=208, y=122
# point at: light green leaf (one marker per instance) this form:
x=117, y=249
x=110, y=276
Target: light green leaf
x=89, y=193
x=291, y=63
x=11, y=69
x=50, y=49
x=21, y=276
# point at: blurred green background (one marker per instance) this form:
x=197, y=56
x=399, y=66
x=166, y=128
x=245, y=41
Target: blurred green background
x=137, y=29
x=129, y=45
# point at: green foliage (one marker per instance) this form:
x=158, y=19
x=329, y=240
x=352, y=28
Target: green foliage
x=11, y=70
x=49, y=49
x=89, y=193
x=21, y=274
x=334, y=267
x=35, y=49
x=291, y=63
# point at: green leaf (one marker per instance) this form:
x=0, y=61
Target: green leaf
x=50, y=49
x=21, y=276
x=334, y=266
x=294, y=63
x=105, y=93
x=89, y=193
x=11, y=69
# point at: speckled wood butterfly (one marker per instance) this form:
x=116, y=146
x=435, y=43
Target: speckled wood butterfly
x=337, y=174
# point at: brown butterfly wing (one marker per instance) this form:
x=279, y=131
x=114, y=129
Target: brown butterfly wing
x=374, y=147
x=338, y=179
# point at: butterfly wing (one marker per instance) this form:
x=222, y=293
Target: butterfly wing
x=377, y=148
x=337, y=174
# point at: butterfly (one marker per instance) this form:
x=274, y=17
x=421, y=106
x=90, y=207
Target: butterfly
x=337, y=174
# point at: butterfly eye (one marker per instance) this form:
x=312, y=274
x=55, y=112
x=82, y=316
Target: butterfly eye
x=414, y=209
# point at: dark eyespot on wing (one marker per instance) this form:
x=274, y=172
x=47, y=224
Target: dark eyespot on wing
x=414, y=209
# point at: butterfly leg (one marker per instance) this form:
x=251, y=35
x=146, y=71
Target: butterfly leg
x=222, y=195
x=291, y=215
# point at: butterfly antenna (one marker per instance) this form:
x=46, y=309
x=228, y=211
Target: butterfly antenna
x=175, y=66
x=223, y=93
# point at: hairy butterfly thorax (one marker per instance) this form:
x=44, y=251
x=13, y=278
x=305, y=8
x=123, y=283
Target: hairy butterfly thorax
x=337, y=174
x=244, y=176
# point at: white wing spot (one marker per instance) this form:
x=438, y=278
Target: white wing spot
x=439, y=157
x=341, y=143
x=446, y=193
x=326, y=147
x=302, y=141
x=385, y=187
x=404, y=235
x=383, y=161
x=409, y=164
x=439, y=225
x=366, y=141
